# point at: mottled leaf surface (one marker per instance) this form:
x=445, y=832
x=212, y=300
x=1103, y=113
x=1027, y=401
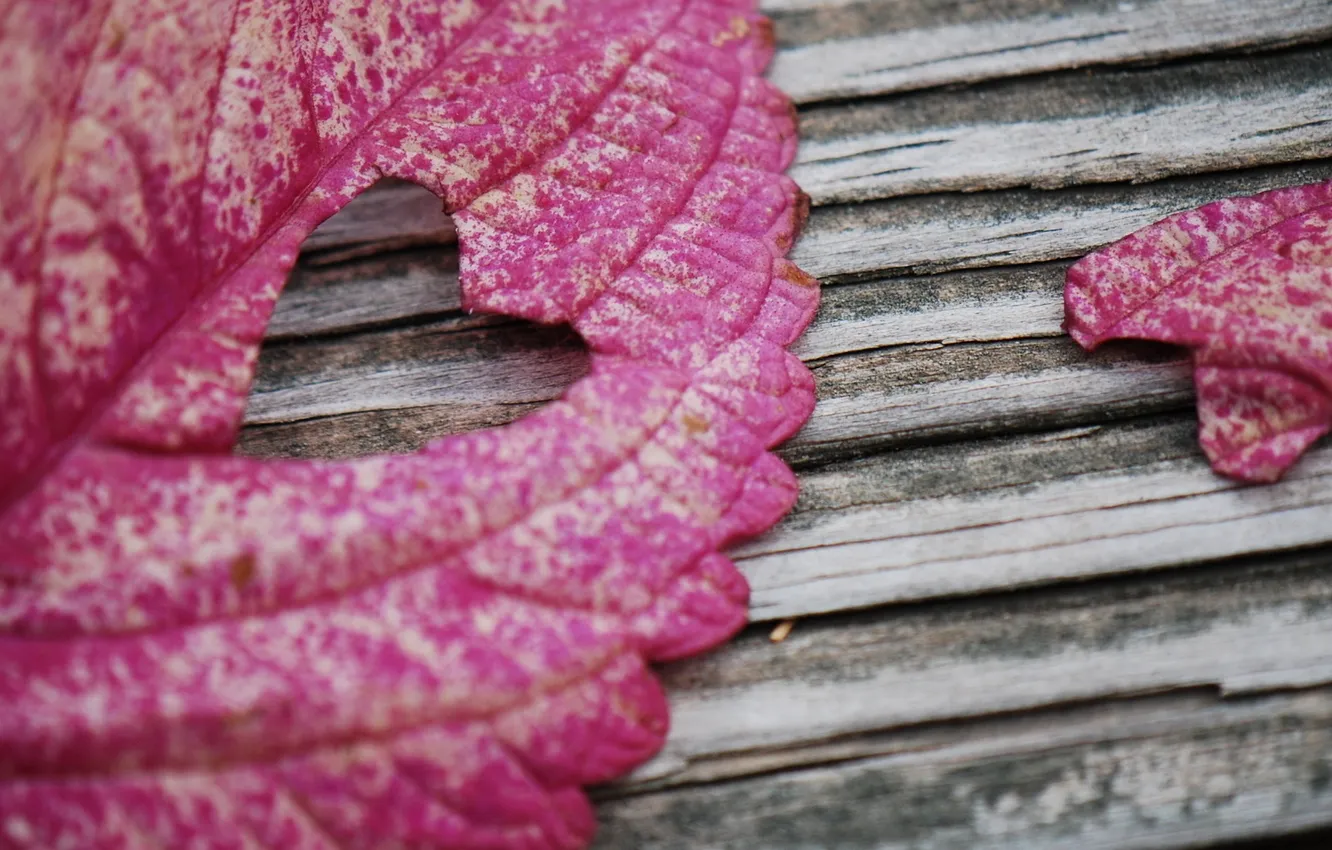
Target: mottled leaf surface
x=1246, y=283
x=431, y=650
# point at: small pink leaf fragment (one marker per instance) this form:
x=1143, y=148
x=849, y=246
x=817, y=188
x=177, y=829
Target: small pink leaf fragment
x=429, y=650
x=1246, y=284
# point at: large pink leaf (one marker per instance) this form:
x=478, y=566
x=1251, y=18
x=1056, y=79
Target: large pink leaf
x=433, y=650
x=1246, y=283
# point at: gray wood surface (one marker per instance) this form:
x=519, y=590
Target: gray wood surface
x=850, y=48
x=1115, y=776
x=1022, y=612
x=972, y=657
x=942, y=232
x=396, y=215
x=1122, y=125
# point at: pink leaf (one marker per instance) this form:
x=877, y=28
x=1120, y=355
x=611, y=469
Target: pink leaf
x=433, y=650
x=1246, y=283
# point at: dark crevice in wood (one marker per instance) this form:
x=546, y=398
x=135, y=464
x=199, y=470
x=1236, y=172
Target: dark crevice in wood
x=1013, y=605
x=819, y=456
x=902, y=147
x=1000, y=462
x=440, y=320
x=349, y=435
x=1275, y=51
x=813, y=456
x=1267, y=133
x=1000, y=51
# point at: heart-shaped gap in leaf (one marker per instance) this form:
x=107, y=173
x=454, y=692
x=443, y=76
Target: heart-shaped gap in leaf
x=369, y=350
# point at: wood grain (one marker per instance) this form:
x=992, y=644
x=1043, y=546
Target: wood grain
x=1183, y=774
x=436, y=363
x=390, y=215
x=1140, y=517
x=986, y=305
x=408, y=286
x=845, y=48
x=877, y=400
x=934, y=233
x=946, y=231
x=1126, y=125
x=1237, y=628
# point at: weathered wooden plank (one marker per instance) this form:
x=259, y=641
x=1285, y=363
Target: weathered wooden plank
x=441, y=363
x=922, y=234
x=887, y=398
x=1175, y=773
x=1241, y=628
x=363, y=411
x=848, y=48
x=1056, y=724
x=1113, y=126
x=1103, y=128
x=940, y=232
x=964, y=307
x=1063, y=723
x=978, y=306
x=1009, y=463
x=1141, y=516
x=374, y=432
x=350, y=296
